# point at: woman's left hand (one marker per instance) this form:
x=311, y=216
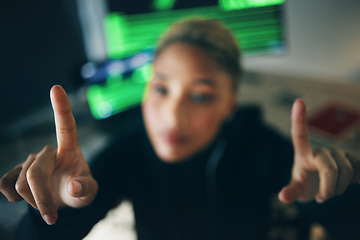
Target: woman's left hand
x=319, y=174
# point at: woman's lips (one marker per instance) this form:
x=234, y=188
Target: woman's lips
x=174, y=138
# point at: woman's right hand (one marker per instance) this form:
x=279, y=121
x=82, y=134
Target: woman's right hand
x=54, y=177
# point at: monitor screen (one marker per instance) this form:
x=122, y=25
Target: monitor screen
x=132, y=32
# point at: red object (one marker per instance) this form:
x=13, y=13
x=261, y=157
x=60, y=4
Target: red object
x=334, y=120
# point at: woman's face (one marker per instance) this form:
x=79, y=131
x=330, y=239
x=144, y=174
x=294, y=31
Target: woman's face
x=186, y=102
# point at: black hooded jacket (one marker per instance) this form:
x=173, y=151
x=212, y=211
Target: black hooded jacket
x=222, y=192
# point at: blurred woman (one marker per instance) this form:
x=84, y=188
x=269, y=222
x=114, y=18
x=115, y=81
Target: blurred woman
x=200, y=168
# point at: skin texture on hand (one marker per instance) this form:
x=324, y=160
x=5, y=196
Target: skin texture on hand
x=54, y=177
x=319, y=174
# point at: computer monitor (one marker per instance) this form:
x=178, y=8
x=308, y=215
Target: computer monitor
x=132, y=31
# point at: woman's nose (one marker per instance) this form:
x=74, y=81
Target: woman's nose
x=175, y=114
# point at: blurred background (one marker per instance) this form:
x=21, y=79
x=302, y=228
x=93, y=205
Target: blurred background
x=100, y=51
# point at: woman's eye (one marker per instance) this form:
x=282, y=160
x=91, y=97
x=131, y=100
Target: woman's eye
x=202, y=98
x=160, y=90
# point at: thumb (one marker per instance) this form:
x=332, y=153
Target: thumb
x=290, y=193
x=84, y=189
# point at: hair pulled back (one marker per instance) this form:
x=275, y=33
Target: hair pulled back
x=210, y=35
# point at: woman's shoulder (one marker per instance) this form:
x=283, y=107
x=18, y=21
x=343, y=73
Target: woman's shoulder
x=249, y=128
x=246, y=118
x=247, y=112
x=128, y=142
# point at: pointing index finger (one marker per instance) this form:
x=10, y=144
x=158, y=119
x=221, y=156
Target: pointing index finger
x=299, y=129
x=64, y=119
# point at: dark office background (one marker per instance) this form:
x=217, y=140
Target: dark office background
x=40, y=45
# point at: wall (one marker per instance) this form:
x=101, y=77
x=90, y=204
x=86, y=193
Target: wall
x=324, y=42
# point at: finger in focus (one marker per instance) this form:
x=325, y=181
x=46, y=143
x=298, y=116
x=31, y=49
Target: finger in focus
x=39, y=179
x=22, y=186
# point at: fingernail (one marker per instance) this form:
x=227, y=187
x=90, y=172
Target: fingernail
x=281, y=197
x=318, y=200
x=50, y=220
x=77, y=187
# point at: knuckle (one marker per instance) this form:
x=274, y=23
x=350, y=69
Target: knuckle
x=13, y=197
x=347, y=171
x=322, y=151
x=45, y=205
x=65, y=111
x=48, y=148
x=319, y=150
x=19, y=166
x=35, y=174
x=326, y=167
x=42, y=204
x=71, y=129
x=21, y=187
x=338, y=151
x=299, y=135
x=32, y=155
x=331, y=169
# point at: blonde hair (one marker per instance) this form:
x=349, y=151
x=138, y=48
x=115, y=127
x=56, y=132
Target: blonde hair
x=212, y=36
